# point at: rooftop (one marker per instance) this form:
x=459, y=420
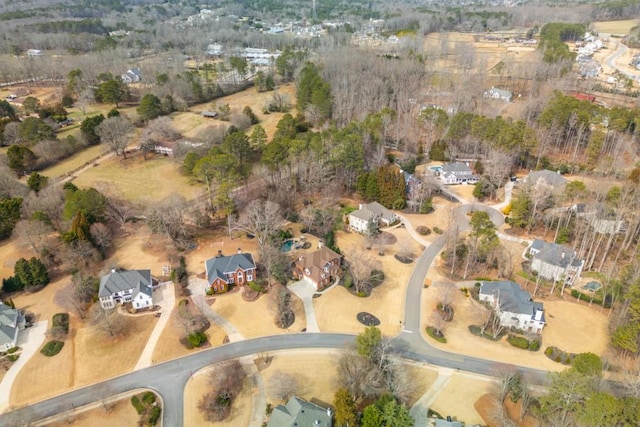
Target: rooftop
x=555, y=254
x=221, y=266
x=512, y=297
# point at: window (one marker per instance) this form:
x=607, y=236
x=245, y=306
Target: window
x=239, y=276
x=249, y=277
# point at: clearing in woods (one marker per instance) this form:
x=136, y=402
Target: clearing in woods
x=615, y=27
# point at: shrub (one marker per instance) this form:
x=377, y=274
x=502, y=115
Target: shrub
x=149, y=398
x=431, y=331
x=377, y=277
x=548, y=351
x=196, y=339
x=347, y=280
x=154, y=416
x=135, y=401
x=534, y=345
x=60, y=324
x=361, y=294
x=52, y=348
x=437, y=230
x=13, y=357
x=12, y=350
x=256, y=287
x=520, y=342
x=424, y=231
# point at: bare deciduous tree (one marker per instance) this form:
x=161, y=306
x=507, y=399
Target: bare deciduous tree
x=283, y=385
x=437, y=322
x=445, y=293
x=260, y=219
x=360, y=270
x=116, y=131
x=109, y=320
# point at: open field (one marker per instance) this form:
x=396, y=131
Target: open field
x=458, y=396
x=198, y=386
x=337, y=308
x=77, y=160
x=139, y=180
x=615, y=27
x=119, y=413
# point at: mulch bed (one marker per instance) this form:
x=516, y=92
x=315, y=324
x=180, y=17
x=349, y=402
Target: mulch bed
x=367, y=319
x=402, y=259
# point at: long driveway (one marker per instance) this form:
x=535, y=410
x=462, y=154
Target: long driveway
x=169, y=378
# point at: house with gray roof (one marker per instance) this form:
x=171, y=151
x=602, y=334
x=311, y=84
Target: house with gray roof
x=132, y=75
x=224, y=271
x=495, y=93
x=457, y=173
x=133, y=287
x=514, y=305
x=299, y=412
x=555, y=262
x=551, y=178
x=11, y=321
x=369, y=216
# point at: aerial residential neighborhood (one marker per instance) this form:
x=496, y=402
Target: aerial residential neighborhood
x=311, y=213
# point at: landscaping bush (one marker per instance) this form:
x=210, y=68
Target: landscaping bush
x=424, y=231
x=196, y=339
x=433, y=334
x=256, y=287
x=12, y=350
x=347, y=280
x=149, y=398
x=437, y=230
x=13, y=357
x=135, y=401
x=534, y=345
x=376, y=278
x=60, y=325
x=475, y=330
x=520, y=342
x=154, y=415
x=52, y=348
x=361, y=294
x=597, y=299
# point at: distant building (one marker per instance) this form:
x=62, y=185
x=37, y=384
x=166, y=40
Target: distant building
x=132, y=75
x=214, y=49
x=457, y=173
x=514, y=305
x=495, y=93
x=34, y=52
x=298, y=412
x=547, y=177
x=369, y=216
x=133, y=286
x=209, y=114
x=555, y=262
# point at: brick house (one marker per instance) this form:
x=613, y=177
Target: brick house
x=319, y=268
x=224, y=271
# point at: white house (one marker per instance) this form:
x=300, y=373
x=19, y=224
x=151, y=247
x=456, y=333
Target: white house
x=132, y=75
x=369, y=216
x=214, y=49
x=34, y=52
x=457, y=173
x=133, y=286
x=555, y=262
x=514, y=305
x=11, y=321
x=495, y=93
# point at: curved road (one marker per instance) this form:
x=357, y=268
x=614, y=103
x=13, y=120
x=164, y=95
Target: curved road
x=169, y=378
x=610, y=61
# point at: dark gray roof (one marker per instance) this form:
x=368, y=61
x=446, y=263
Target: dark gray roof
x=552, y=178
x=512, y=297
x=118, y=281
x=298, y=412
x=455, y=167
x=555, y=254
x=220, y=266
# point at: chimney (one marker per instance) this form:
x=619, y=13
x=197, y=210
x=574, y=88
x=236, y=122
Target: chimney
x=538, y=315
x=239, y=250
x=562, y=255
x=113, y=269
x=320, y=243
x=219, y=252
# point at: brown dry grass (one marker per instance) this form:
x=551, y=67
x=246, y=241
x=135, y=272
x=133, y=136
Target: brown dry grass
x=120, y=413
x=139, y=180
x=615, y=27
x=422, y=377
x=486, y=405
x=457, y=398
x=75, y=161
x=198, y=386
x=336, y=310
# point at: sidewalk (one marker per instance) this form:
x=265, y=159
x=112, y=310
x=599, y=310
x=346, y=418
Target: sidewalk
x=29, y=340
x=165, y=298
x=420, y=409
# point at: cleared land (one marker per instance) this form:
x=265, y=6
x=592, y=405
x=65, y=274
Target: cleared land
x=458, y=396
x=615, y=27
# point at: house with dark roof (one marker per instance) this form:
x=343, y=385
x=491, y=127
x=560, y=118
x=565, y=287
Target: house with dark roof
x=514, y=305
x=495, y=93
x=457, y=173
x=547, y=177
x=132, y=75
x=555, y=262
x=133, y=287
x=369, y=216
x=320, y=268
x=224, y=271
x=300, y=413
x=11, y=321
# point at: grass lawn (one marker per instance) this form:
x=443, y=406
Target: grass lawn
x=72, y=163
x=460, y=394
x=119, y=413
x=139, y=180
x=615, y=27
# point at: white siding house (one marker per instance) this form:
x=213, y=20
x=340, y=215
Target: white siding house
x=457, y=173
x=555, y=262
x=514, y=305
x=11, y=321
x=134, y=286
x=369, y=216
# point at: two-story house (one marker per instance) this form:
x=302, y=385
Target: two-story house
x=319, y=268
x=495, y=93
x=514, y=305
x=11, y=321
x=555, y=262
x=369, y=216
x=126, y=286
x=224, y=271
x=457, y=173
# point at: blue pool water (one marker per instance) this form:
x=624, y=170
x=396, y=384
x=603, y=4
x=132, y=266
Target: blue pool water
x=592, y=286
x=286, y=246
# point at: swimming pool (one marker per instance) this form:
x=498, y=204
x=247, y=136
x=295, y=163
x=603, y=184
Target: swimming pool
x=286, y=246
x=592, y=286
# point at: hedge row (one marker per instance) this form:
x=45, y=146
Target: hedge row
x=52, y=348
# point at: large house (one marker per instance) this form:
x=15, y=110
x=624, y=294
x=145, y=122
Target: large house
x=457, y=173
x=514, y=305
x=224, y=271
x=132, y=75
x=126, y=286
x=11, y=321
x=299, y=412
x=555, y=262
x=369, y=216
x=319, y=268
x=547, y=177
x=495, y=93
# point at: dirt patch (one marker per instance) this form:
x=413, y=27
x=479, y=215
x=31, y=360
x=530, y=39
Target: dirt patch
x=119, y=413
x=458, y=396
x=486, y=407
x=198, y=386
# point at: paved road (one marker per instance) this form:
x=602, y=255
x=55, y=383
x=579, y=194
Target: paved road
x=610, y=61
